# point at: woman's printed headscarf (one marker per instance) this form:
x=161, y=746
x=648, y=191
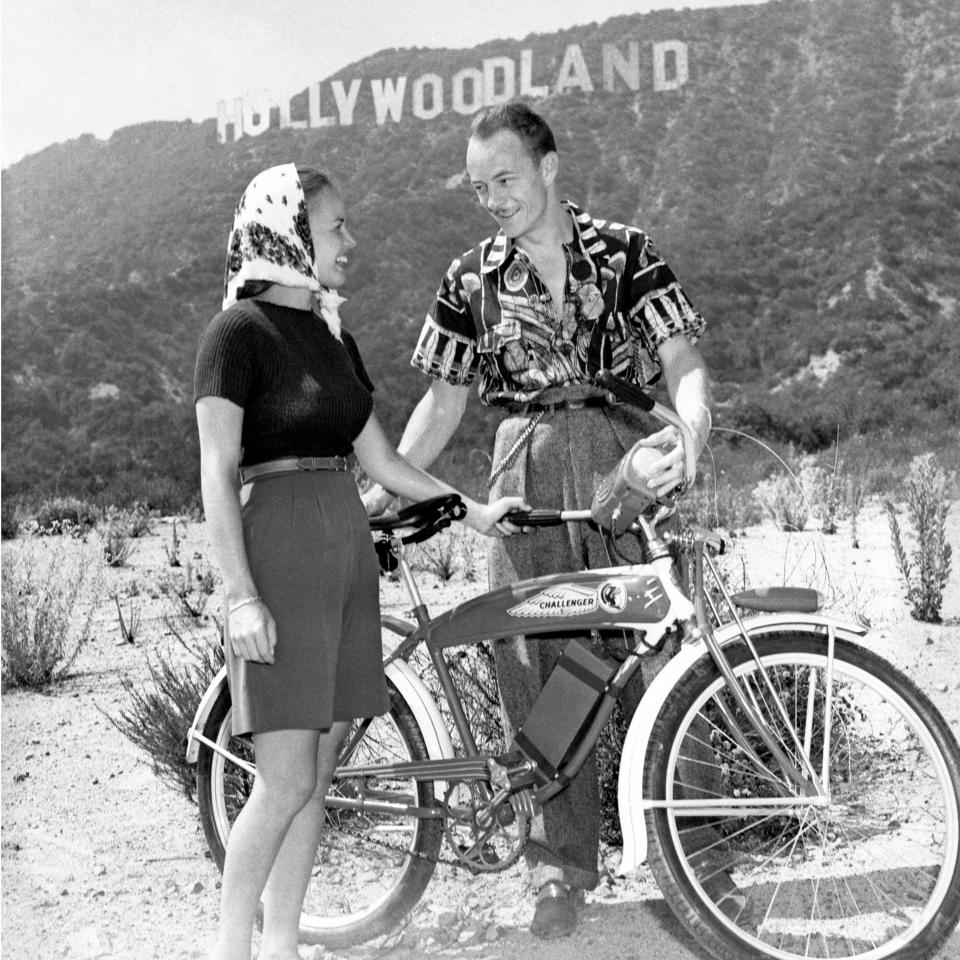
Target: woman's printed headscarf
x=271, y=241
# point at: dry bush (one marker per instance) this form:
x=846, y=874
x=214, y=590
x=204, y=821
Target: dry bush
x=64, y=515
x=457, y=550
x=45, y=624
x=926, y=571
x=159, y=713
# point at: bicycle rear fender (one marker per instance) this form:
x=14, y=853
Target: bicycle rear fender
x=435, y=733
x=630, y=799
x=207, y=701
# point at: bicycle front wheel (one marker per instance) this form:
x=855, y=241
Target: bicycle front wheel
x=376, y=856
x=758, y=861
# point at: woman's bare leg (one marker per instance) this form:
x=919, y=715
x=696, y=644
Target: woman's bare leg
x=287, y=885
x=285, y=783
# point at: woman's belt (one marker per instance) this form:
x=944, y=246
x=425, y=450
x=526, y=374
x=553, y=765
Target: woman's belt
x=292, y=465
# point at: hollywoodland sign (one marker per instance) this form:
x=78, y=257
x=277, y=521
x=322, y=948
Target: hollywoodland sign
x=497, y=80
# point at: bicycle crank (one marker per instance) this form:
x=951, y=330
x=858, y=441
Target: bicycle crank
x=486, y=834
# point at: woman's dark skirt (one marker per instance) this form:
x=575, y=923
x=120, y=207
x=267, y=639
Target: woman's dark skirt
x=309, y=548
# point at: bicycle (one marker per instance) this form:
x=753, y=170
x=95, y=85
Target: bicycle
x=831, y=800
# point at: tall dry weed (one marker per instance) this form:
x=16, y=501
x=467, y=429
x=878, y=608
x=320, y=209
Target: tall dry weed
x=49, y=591
x=926, y=570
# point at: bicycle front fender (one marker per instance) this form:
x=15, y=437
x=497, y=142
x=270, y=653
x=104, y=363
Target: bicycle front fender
x=630, y=799
x=413, y=690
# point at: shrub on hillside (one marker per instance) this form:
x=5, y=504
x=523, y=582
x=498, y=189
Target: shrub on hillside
x=158, y=714
x=717, y=503
x=785, y=500
x=9, y=521
x=65, y=515
x=926, y=570
x=44, y=625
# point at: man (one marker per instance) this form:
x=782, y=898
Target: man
x=533, y=313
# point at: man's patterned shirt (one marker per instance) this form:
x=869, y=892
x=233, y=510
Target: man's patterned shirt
x=493, y=316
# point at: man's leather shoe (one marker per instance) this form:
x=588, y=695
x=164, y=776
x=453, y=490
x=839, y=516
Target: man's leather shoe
x=556, y=912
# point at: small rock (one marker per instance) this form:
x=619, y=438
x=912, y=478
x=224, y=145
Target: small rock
x=197, y=887
x=88, y=943
x=492, y=933
x=943, y=687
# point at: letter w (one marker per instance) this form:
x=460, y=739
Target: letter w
x=388, y=98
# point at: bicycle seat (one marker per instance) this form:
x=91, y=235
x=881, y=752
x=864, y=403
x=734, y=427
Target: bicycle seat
x=780, y=599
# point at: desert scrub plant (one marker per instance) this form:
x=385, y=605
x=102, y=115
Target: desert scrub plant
x=716, y=503
x=453, y=551
x=190, y=590
x=9, y=521
x=855, y=490
x=173, y=551
x=129, y=625
x=475, y=676
x=826, y=495
x=45, y=621
x=64, y=515
x=158, y=714
x=784, y=500
x=115, y=543
x=926, y=570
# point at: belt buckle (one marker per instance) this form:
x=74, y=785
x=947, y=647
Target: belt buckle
x=306, y=463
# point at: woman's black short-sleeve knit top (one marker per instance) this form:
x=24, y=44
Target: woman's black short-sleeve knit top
x=303, y=392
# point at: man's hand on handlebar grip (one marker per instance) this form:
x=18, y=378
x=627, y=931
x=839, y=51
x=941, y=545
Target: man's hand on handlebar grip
x=667, y=473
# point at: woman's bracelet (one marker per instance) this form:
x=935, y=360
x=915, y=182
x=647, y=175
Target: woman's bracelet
x=242, y=603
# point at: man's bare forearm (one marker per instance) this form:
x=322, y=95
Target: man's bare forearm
x=431, y=425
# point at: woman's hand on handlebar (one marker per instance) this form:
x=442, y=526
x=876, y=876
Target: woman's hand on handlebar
x=252, y=632
x=376, y=500
x=490, y=518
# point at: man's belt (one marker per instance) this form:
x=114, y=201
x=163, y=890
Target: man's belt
x=292, y=465
x=577, y=404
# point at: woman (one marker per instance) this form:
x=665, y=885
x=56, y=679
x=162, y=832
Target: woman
x=280, y=388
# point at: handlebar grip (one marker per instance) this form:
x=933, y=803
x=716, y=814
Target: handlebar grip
x=624, y=391
x=534, y=518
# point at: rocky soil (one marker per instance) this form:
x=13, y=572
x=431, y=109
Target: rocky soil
x=101, y=859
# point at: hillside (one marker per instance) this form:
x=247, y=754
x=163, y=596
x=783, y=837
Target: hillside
x=804, y=184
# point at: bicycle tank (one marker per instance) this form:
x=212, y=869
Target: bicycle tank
x=634, y=596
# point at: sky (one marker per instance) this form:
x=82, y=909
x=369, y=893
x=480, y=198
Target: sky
x=71, y=67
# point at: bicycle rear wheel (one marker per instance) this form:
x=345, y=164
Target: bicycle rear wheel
x=371, y=867
x=752, y=866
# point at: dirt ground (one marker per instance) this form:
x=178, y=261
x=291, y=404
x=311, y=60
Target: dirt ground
x=101, y=859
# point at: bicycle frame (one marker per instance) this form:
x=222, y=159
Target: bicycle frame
x=645, y=599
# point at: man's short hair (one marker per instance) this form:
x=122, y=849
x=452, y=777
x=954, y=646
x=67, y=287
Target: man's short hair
x=520, y=119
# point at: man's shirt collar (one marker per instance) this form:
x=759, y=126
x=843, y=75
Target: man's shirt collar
x=585, y=237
